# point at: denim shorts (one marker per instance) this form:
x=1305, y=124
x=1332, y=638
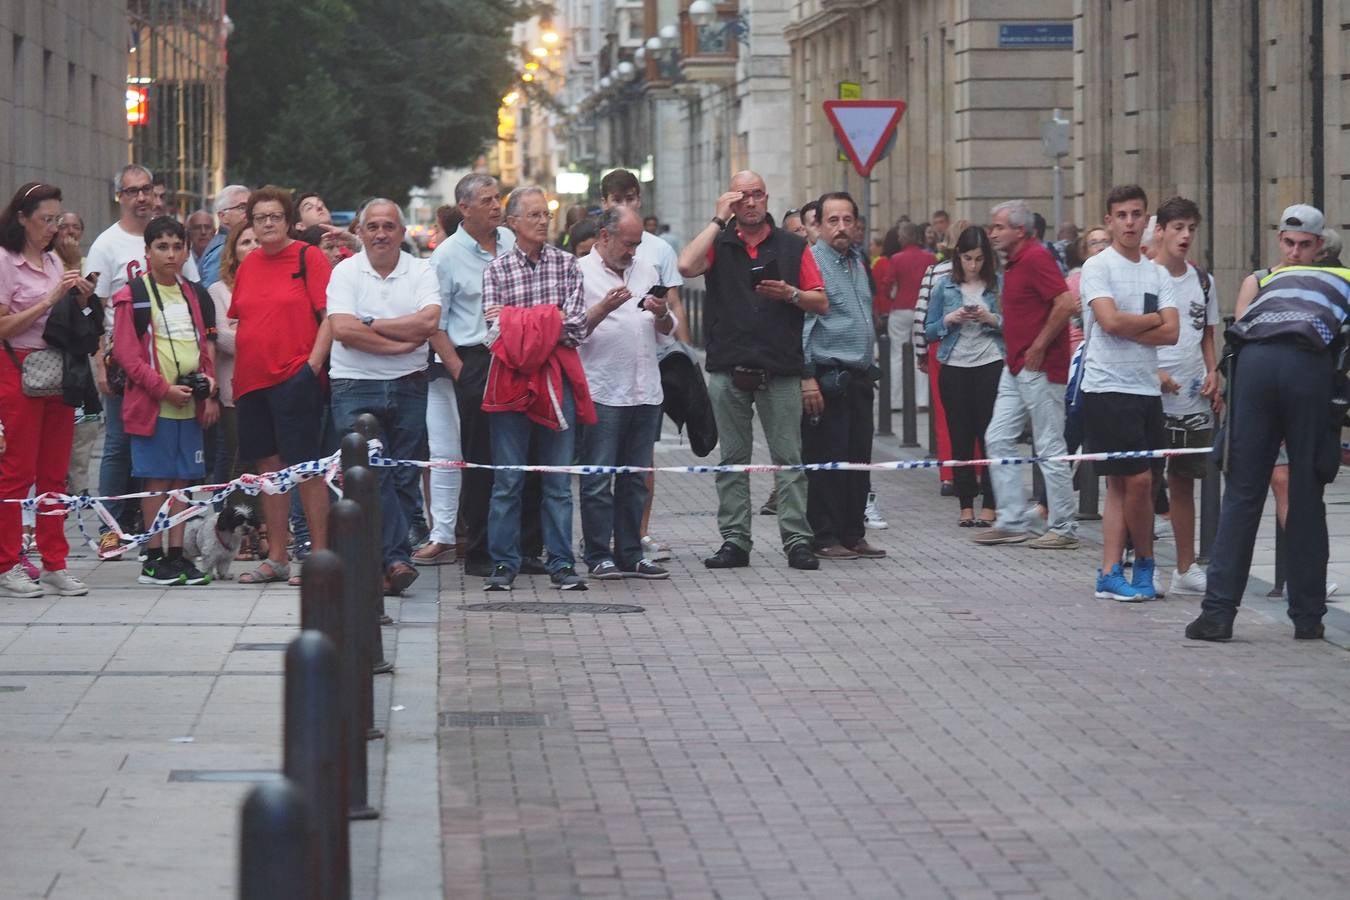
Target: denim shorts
x=173, y=452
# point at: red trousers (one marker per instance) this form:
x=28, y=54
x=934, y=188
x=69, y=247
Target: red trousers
x=939, y=414
x=38, y=434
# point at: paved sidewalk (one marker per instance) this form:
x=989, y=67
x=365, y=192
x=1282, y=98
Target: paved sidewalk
x=110, y=703
x=953, y=722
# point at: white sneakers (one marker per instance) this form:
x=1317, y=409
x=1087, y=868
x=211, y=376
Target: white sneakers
x=1191, y=582
x=63, y=583
x=16, y=583
x=872, y=517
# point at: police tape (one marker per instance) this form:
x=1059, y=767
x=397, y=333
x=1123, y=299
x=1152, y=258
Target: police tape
x=285, y=480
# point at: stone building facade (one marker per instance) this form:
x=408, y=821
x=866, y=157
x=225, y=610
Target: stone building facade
x=62, y=81
x=1237, y=104
x=978, y=78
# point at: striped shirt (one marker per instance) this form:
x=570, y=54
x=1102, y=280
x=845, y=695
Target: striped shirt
x=844, y=335
x=512, y=279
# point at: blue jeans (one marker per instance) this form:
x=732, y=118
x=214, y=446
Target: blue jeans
x=511, y=433
x=623, y=436
x=114, y=470
x=401, y=407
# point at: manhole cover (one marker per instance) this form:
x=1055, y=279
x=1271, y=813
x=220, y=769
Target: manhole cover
x=497, y=719
x=555, y=609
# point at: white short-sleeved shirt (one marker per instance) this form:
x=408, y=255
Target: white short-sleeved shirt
x=1184, y=360
x=661, y=257
x=620, y=355
x=1116, y=364
x=119, y=257
x=356, y=289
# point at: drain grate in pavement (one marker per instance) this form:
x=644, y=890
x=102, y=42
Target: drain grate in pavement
x=498, y=719
x=230, y=776
x=254, y=646
x=12, y=688
x=555, y=609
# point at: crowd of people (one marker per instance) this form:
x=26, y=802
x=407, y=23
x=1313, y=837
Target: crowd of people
x=250, y=337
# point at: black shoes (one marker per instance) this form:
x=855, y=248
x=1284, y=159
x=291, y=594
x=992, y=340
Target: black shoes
x=1310, y=632
x=729, y=556
x=801, y=557
x=1206, y=629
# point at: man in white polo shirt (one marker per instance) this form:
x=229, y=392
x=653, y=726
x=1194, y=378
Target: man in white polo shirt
x=1129, y=311
x=383, y=305
x=625, y=323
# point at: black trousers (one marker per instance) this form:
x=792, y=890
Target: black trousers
x=835, y=501
x=968, y=399
x=475, y=492
x=1281, y=392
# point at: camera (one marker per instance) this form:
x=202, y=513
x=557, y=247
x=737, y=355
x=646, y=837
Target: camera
x=198, y=383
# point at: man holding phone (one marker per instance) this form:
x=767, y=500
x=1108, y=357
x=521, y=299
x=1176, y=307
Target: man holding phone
x=760, y=281
x=1129, y=310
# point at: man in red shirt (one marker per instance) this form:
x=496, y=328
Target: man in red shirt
x=907, y=268
x=1036, y=308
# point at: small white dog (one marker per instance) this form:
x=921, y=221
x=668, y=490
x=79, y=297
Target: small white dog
x=214, y=538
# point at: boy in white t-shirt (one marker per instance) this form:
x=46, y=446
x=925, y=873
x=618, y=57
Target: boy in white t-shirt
x=1129, y=310
x=1187, y=373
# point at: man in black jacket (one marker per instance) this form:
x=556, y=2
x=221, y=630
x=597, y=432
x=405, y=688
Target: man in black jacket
x=760, y=283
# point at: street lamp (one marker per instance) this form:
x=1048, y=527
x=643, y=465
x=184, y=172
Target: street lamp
x=627, y=71
x=653, y=44
x=702, y=13
x=640, y=55
x=669, y=34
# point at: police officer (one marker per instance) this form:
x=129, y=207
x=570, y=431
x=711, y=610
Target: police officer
x=1288, y=336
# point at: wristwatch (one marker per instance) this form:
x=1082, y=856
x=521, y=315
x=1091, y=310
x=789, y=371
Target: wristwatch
x=718, y=221
x=796, y=296
x=367, y=320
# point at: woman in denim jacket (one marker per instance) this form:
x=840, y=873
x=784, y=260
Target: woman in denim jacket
x=963, y=318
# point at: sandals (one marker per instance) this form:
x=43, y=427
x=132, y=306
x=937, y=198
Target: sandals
x=267, y=572
x=965, y=523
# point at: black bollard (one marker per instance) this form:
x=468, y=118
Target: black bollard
x=1211, y=491
x=321, y=595
x=312, y=753
x=347, y=539
x=909, y=413
x=884, y=386
x=355, y=451
x=275, y=862
x=362, y=485
x=1087, y=493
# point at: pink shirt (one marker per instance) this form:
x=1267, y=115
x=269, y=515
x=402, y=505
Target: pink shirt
x=21, y=287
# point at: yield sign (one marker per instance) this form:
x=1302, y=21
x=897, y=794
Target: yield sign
x=864, y=127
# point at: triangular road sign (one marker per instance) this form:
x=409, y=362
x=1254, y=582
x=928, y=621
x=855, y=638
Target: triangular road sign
x=864, y=127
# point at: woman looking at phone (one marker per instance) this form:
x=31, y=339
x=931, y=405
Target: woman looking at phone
x=964, y=320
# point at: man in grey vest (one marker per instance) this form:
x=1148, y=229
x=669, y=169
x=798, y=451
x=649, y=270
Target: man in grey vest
x=1290, y=336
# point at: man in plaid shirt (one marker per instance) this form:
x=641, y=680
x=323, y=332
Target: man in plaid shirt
x=533, y=273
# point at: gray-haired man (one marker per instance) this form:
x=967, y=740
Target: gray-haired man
x=230, y=204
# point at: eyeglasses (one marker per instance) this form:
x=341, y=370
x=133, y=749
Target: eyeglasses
x=144, y=190
x=268, y=218
x=243, y=205
x=1100, y=242
x=753, y=195
x=537, y=217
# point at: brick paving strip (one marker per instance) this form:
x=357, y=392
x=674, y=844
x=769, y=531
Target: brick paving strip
x=953, y=721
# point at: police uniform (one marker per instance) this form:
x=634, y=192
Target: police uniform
x=1281, y=391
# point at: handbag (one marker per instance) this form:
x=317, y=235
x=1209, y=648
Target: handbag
x=42, y=371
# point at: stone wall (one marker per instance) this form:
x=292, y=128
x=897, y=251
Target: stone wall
x=62, y=87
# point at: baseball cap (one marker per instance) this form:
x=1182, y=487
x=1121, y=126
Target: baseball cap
x=1302, y=217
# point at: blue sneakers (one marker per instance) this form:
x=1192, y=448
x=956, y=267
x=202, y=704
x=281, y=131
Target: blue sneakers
x=1142, y=579
x=1114, y=586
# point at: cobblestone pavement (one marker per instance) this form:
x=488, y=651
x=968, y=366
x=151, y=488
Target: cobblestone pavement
x=953, y=721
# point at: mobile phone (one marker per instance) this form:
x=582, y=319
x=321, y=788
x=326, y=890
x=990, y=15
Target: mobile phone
x=1150, y=303
x=767, y=271
x=93, y=277
x=972, y=308
x=659, y=291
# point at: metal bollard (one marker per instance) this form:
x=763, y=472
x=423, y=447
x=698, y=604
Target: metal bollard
x=1211, y=493
x=909, y=415
x=1087, y=493
x=884, y=386
x=355, y=453
x=345, y=525
x=1280, y=547
x=354, y=449
x=274, y=858
x=313, y=752
x=362, y=485
x=321, y=595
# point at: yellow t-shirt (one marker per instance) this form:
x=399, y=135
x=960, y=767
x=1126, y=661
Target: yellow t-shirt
x=175, y=339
